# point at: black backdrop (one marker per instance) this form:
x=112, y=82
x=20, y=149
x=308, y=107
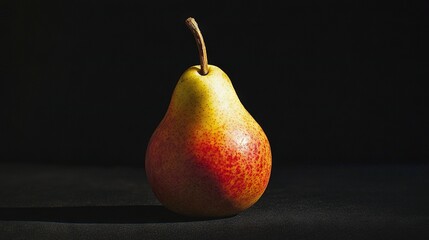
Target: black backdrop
x=86, y=82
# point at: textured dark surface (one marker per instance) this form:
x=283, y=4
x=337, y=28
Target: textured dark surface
x=301, y=202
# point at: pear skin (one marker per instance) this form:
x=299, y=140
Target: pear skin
x=208, y=156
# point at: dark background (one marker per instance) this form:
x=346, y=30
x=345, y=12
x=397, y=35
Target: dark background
x=331, y=82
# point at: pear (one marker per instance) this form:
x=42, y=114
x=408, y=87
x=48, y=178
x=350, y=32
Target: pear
x=208, y=157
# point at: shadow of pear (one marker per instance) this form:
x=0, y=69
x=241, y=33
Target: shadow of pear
x=97, y=214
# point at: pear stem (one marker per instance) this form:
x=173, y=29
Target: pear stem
x=193, y=26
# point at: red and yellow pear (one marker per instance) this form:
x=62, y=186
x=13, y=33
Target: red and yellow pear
x=208, y=157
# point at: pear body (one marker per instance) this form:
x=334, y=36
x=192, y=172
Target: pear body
x=208, y=156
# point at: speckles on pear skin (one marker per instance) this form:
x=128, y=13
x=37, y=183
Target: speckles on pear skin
x=237, y=160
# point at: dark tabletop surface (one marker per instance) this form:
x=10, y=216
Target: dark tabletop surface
x=301, y=202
